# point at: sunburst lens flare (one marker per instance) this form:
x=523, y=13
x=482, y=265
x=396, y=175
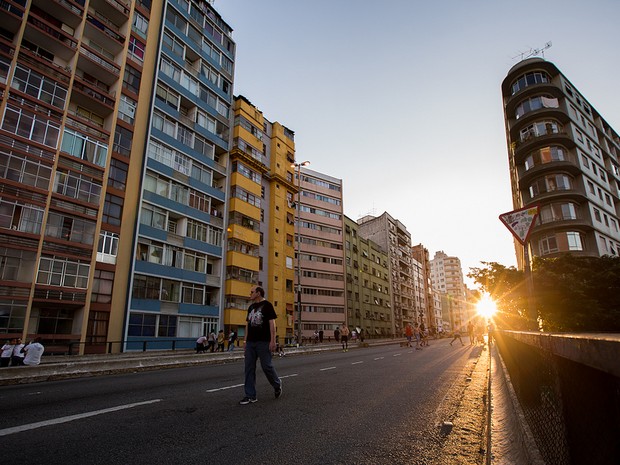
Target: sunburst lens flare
x=486, y=307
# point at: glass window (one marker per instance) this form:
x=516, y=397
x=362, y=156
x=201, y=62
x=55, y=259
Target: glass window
x=141, y=324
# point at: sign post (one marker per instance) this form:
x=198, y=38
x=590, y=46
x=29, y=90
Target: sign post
x=520, y=223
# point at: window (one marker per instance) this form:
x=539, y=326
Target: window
x=117, y=177
x=540, y=128
x=141, y=324
x=136, y=49
x=153, y=216
x=544, y=155
x=560, y=242
x=31, y=125
x=84, y=148
x=77, y=186
x=112, y=210
x=107, y=250
x=39, y=87
x=140, y=25
x=193, y=294
x=24, y=171
x=131, y=79
x=558, y=212
x=127, y=109
x=58, y=271
x=536, y=103
x=63, y=226
x=529, y=79
x=174, y=45
x=16, y=265
x=167, y=326
x=123, y=138
x=103, y=282
x=20, y=216
x=550, y=183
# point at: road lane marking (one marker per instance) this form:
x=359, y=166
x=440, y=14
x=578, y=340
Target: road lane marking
x=328, y=368
x=56, y=421
x=239, y=385
x=379, y=358
x=396, y=355
x=356, y=363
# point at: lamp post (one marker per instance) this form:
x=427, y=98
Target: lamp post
x=297, y=167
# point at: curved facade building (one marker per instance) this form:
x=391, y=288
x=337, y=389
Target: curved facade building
x=563, y=157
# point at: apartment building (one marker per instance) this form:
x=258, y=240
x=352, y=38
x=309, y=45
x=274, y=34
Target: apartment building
x=447, y=278
x=427, y=305
x=261, y=218
x=321, y=255
x=392, y=236
x=112, y=205
x=367, y=284
x=563, y=157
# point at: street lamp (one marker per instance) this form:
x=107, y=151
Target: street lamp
x=297, y=167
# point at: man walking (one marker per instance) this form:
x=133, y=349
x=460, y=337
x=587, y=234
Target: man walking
x=344, y=337
x=260, y=342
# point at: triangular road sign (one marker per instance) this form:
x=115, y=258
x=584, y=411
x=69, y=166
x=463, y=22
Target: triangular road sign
x=520, y=222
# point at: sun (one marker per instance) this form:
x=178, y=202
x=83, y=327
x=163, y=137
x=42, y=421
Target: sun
x=486, y=306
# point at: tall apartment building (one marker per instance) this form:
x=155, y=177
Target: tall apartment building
x=111, y=206
x=429, y=306
x=321, y=254
x=367, y=284
x=261, y=218
x=447, y=278
x=563, y=156
x=392, y=236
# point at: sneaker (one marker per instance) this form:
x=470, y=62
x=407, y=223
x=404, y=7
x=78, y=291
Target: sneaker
x=248, y=400
x=278, y=391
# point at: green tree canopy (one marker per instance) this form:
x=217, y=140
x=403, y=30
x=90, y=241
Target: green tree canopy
x=570, y=293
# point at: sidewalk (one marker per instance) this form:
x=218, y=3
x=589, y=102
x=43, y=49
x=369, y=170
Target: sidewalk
x=77, y=366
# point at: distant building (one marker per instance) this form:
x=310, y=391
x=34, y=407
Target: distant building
x=392, y=236
x=367, y=284
x=564, y=157
x=321, y=253
x=447, y=278
x=430, y=306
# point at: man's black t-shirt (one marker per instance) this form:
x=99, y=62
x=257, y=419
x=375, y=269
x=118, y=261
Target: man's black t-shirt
x=259, y=314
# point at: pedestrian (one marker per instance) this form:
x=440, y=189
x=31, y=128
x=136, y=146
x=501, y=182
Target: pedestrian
x=279, y=348
x=201, y=345
x=321, y=336
x=418, y=337
x=424, y=335
x=33, y=352
x=490, y=332
x=337, y=333
x=470, y=333
x=17, y=359
x=457, y=335
x=211, y=341
x=7, y=353
x=260, y=342
x=344, y=337
x=315, y=336
x=409, y=334
x=232, y=337
x=221, y=337
x=361, y=334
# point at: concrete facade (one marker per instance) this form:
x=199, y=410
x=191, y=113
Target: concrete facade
x=563, y=157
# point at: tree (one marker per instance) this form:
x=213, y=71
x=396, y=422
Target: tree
x=506, y=286
x=571, y=293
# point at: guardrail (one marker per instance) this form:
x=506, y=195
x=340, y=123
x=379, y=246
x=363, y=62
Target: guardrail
x=568, y=387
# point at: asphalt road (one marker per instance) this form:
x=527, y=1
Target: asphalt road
x=373, y=405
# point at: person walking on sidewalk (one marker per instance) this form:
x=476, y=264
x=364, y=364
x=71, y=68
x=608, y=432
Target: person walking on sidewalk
x=221, y=337
x=344, y=337
x=408, y=334
x=260, y=342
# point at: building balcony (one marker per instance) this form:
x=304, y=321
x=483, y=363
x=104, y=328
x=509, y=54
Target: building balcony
x=95, y=64
x=67, y=11
x=116, y=10
x=545, y=88
x=564, y=224
x=105, y=33
x=55, y=40
x=12, y=14
x=547, y=168
x=92, y=98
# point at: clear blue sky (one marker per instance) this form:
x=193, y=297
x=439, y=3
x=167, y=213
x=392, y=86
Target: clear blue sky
x=415, y=86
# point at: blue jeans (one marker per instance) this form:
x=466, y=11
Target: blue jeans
x=258, y=350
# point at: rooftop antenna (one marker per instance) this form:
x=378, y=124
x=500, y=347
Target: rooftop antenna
x=533, y=52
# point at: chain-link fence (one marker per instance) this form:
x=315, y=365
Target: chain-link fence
x=573, y=410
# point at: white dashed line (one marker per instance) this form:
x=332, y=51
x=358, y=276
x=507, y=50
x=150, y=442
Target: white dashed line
x=56, y=421
x=328, y=368
x=396, y=355
x=379, y=358
x=356, y=363
x=239, y=385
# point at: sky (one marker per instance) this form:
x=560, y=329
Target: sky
x=401, y=99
